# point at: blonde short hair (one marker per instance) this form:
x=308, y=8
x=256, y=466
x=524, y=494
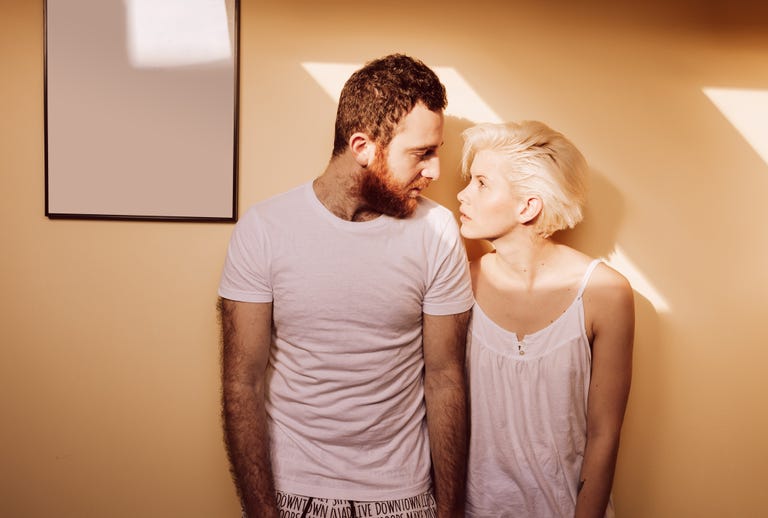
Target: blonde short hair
x=539, y=161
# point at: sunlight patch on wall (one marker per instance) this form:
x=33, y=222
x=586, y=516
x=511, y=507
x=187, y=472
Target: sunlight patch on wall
x=174, y=33
x=463, y=101
x=747, y=110
x=619, y=261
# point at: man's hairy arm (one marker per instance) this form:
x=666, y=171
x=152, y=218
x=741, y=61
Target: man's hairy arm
x=246, y=330
x=445, y=391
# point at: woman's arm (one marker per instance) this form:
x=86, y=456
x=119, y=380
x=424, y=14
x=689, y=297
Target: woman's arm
x=609, y=309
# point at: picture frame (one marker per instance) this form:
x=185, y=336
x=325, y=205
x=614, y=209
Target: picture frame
x=141, y=109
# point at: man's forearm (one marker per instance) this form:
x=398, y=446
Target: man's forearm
x=445, y=394
x=247, y=442
x=246, y=330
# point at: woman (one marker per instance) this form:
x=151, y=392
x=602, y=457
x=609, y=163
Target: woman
x=550, y=347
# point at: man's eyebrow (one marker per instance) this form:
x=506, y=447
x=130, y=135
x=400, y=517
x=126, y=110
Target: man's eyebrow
x=426, y=148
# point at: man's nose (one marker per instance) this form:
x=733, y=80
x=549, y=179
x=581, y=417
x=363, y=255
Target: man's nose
x=432, y=170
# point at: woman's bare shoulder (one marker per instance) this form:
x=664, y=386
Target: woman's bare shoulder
x=609, y=278
x=608, y=294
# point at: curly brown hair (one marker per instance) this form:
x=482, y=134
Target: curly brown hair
x=376, y=97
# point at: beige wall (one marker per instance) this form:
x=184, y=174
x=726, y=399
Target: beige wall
x=109, y=366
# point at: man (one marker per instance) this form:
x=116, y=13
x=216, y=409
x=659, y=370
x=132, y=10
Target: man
x=344, y=307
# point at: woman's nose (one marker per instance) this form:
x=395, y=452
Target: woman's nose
x=461, y=195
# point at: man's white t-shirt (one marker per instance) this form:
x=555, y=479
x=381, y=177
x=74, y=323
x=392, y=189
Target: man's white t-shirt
x=345, y=398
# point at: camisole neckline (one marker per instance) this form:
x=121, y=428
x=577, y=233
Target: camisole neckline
x=533, y=335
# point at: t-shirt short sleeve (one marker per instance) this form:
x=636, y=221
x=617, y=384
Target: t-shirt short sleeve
x=450, y=288
x=246, y=269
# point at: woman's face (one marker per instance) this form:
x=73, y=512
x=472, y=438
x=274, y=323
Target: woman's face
x=489, y=206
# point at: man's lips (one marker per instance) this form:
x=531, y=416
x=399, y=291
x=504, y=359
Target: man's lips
x=416, y=188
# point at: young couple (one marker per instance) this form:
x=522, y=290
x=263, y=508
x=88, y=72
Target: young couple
x=369, y=370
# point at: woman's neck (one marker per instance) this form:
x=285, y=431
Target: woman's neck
x=524, y=256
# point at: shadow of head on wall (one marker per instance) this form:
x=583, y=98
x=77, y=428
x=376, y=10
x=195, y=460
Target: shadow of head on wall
x=603, y=213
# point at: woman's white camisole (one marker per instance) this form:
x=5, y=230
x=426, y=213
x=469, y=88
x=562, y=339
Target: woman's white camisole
x=528, y=404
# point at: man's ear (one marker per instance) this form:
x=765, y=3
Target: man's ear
x=530, y=207
x=363, y=149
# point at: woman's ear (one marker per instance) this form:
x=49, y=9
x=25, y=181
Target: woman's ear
x=530, y=207
x=363, y=149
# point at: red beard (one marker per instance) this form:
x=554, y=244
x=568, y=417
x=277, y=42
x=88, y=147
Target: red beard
x=383, y=194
